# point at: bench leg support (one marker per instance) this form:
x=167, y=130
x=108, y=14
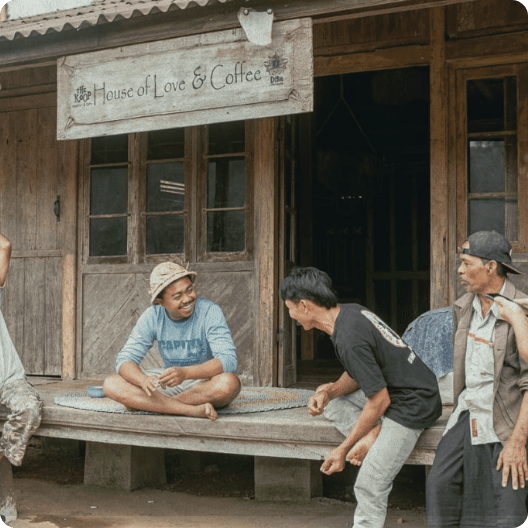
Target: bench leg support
x=123, y=467
x=282, y=479
x=7, y=491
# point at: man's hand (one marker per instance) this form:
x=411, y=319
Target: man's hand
x=149, y=385
x=512, y=459
x=509, y=310
x=334, y=462
x=172, y=376
x=318, y=402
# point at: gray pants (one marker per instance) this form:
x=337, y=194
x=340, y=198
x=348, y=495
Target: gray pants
x=382, y=463
x=23, y=419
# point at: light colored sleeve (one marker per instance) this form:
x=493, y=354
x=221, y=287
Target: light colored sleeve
x=140, y=340
x=219, y=339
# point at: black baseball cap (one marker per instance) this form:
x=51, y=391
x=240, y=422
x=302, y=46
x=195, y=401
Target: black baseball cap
x=491, y=245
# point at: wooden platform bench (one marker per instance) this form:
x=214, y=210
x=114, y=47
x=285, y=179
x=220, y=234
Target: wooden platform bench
x=126, y=451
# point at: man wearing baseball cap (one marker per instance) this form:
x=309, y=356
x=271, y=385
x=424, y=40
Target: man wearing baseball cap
x=479, y=472
x=195, y=344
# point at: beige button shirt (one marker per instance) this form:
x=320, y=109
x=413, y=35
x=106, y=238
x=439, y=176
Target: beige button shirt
x=477, y=397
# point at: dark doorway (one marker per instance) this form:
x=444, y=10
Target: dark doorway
x=370, y=203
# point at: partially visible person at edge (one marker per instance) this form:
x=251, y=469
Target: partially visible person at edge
x=20, y=398
x=381, y=403
x=195, y=344
x=479, y=472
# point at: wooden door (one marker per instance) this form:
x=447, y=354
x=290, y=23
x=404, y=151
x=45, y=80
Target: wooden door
x=31, y=185
x=287, y=330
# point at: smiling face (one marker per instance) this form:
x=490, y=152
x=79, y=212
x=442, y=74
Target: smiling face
x=473, y=275
x=179, y=299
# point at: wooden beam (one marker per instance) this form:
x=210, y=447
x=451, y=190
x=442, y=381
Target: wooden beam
x=266, y=230
x=439, y=171
x=493, y=49
x=190, y=22
x=400, y=57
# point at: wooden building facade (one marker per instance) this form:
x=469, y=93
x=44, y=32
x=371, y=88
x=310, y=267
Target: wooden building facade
x=418, y=137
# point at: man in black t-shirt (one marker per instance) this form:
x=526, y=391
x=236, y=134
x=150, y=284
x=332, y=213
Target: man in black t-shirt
x=381, y=403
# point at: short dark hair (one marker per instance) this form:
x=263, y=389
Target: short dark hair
x=310, y=284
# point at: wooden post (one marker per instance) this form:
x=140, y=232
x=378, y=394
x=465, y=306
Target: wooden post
x=69, y=163
x=266, y=229
x=440, y=210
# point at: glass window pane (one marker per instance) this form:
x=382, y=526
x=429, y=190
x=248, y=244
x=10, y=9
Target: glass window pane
x=165, y=187
x=108, y=236
x=165, y=234
x=110, y=149
x=225, y=138
x=109, y=191
x=485, y=105
x=486, y=215
x=486, y=166
x=166, y=144
x=226, y=231
x=226, y=183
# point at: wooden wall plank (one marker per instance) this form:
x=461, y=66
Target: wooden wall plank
x=477, y=18
x=34, y=322
x=52, y=311
x=13, y=309
x=372, y=33
x=47, y=178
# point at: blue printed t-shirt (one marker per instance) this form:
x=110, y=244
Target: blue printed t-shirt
x=376, y=357
x=192, y=341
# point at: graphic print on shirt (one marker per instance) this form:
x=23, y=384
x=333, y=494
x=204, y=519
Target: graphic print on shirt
x=386, y=331
x=188, y=347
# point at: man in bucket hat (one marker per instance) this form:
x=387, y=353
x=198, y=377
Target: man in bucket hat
x=484, y=443
x=195, y=344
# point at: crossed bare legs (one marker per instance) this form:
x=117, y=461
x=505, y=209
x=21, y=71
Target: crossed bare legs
x=358, y=453
x=199, y=401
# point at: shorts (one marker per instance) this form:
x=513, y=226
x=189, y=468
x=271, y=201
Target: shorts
x=177, y=389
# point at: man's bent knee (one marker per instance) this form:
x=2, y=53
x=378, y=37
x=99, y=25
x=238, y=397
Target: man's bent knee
x=112, y=386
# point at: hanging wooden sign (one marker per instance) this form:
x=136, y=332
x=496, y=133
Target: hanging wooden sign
x=209, y=78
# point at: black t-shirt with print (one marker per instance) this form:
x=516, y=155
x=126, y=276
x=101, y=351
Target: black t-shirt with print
x=375, y=356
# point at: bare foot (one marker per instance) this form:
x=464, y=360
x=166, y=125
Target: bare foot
x=357, y=454
x=206, y=410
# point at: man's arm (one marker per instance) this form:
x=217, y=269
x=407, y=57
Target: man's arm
x=176, y=375
x=514, y=313
x=5, y=257
x=374, y=409
x=512, y=459
x=324, y=394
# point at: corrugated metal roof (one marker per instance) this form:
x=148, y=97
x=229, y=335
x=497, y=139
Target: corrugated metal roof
x=99, y=11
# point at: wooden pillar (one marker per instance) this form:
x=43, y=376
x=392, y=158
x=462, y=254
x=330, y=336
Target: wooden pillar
x=266, y=235
x=266, y=239
x=68, y=152
x=440, y=204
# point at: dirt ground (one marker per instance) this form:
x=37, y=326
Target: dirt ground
x=218, y=494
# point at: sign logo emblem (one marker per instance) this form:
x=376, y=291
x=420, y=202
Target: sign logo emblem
x=276, y=66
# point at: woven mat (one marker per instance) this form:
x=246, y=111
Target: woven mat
x=250, y=400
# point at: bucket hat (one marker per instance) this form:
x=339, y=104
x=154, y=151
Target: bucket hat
x=164, y=274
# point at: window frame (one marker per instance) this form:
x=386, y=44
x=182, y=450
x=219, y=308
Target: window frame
x=463, y=75
x=203, y=254
x=195, y=219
